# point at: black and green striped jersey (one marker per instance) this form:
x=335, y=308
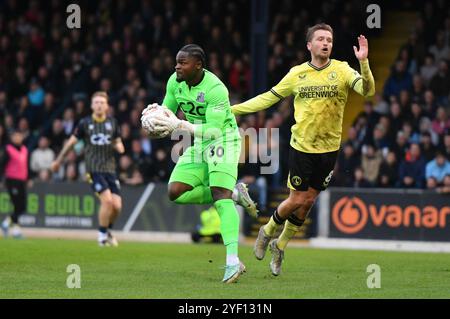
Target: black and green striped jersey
x=98, y=140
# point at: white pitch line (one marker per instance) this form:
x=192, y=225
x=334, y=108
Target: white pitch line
x=138, y=208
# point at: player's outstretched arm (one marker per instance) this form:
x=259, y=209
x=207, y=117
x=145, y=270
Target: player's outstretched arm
x=366, y=87
x=258, y=103
x=67, y=147
x=263, y=101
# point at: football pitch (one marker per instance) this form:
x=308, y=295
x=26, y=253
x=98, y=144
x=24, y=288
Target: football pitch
x=37, y=268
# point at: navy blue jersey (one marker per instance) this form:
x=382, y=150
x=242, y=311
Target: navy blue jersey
x=98, y=138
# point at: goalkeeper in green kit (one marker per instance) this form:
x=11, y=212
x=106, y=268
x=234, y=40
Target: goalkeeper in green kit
x=206, y=173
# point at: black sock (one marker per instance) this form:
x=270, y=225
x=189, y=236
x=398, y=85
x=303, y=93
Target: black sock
x=110, y=226
x=277, y=218
x=102, y=229
x=295, y=220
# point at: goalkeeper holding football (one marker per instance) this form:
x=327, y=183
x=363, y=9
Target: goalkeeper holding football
x=207, y=171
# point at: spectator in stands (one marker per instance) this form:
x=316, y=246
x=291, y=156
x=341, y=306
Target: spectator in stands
x=57, y=135
x=446, y=144
x=396, y=117
x=380, y=140
x=411, y=134
x=42, y=157
x=436, y=170
x=68, y=121
x=416, y=115
x=429, y=69
x=441, y=122
x=430, y=103
x=128, y=172
x=427, y=148
x=412, y=169
x=440, y=83
x=388, y=171
x=370, y=161
x=439, y=50
x=70, y=172
x=359, y=180
x=425, y=127
x=160, y=168
x=371, y=118
x=380, y=105
x=418, y=88
x=445, y=189
x=399, y=80
x=44, y=176
x=141, y=161
x=36, y=94
x=345, y=166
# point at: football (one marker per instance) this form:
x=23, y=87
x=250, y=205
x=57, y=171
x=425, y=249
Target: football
x=147, y=121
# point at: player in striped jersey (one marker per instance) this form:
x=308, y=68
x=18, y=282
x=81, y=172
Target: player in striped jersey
x=101, y=137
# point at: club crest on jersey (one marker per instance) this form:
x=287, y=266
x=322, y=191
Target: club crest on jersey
x=332, y=76
x=108, y=126
x=296, y=180
x=201, y=97
x=91, y=126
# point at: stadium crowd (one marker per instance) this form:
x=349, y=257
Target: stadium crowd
x=48, y=72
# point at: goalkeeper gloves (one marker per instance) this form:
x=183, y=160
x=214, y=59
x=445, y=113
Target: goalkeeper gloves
x=172, y=123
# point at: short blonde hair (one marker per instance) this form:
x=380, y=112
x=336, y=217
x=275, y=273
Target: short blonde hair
x=102, y=94
x=314, y=28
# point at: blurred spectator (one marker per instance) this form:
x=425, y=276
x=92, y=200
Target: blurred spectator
x=401, y=145
x=42, y=157
x=57, y=135
x=399, y=80
x=160, y=168
x=436, y=170
x=68, y=121
x=388, y=171
x=412, y=169
x=370, y=162
x=427, y=148
x=346, y=164
x=440, y=83
x=71, y=172
x=429, y=69
x=441, y=122
x=380, y=105
x=446, y=145
x=359, y=180
x=36, y=94
x=239, y=78
x=439, y=50
x=128, y=172
x=380, y=140
x=44, y=175
x=445, y=189
x=141, y=161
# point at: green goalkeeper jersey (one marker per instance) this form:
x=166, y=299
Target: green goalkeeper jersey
x=206, y=104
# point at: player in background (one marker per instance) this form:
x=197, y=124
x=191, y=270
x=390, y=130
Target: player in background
x=320, y=88
x=14, y=166
x=206, y=173
x=101, y=137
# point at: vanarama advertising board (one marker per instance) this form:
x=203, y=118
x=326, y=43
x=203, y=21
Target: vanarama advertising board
x=389, y=214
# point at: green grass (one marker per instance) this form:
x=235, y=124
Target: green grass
x=36, y=268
